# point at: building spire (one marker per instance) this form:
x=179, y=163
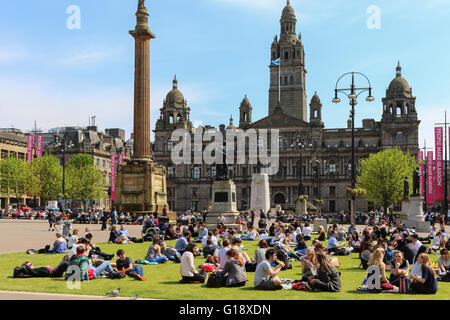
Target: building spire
x=175, y=82
x=399, y=70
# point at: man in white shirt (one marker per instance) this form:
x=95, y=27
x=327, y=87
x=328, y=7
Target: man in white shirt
x=211, y=237
x=267, y=278
x=307, y=232
x=202, y=233
x=416, y=241
x=187, y=267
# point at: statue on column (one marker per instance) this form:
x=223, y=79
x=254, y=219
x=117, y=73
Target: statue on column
x=406, y=189
x=141, y=4
x=416, y=183
x=222, y=169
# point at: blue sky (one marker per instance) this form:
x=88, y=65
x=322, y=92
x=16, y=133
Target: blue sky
x=220, y=51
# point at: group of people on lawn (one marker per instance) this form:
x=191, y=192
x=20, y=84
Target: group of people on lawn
x=395, y=251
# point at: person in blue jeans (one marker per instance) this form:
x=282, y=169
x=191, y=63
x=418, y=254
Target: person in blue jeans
x=125, y=264
x=113, y=218
x=105, y=266
x=154, y=254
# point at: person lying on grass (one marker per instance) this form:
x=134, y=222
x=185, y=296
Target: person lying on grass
x=86, y=272
x=125, y=265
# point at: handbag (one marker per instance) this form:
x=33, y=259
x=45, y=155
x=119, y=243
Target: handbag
x=250, y=267
x=214, y=280
x=404, y=285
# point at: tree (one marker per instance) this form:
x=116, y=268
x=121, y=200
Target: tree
x=14, y=174
x=84, y=181
x=45, y=179
x=382, y=176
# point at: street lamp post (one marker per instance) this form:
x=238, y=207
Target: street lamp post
x=300, y=146
x=354, y=94
x=64, y=145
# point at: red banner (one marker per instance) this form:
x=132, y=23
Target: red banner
x=420, y=161
x=120, y=159
x=30, y=142
x=438, y=140
x=39, y=140
x=430, y=197
x=113, y=177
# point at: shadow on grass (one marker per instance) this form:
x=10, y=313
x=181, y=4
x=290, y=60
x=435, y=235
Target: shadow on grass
x=172, y=282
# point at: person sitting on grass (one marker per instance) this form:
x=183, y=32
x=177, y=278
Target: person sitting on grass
x=290, y=252
x=73, y=238
x=202, y=232
x=321, y=236
x=327, y=278
x=399, y=268
x=301, y=245
x=260, y=253
x=309, y=265
x=306, y=232
x=123, y=230
x=236, y=244
x=253, y=235
x=377, y=260
x=416, y=267
x=267, y=278
x=427, y=283
x=154, y=255
x=59, y=246
x=443, y=263
x=223, y=258
x=182, y=242
x=170, y=252
x=210, y=249
x=233, y=272
x=187, y=267
x=116, y=237
x=125, y=265
x=366, y=254
x=334, y=247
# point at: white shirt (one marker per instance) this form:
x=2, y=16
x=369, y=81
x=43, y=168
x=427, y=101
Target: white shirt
x=418, y=244
x=187, y=268
x=436, y=242
x=223, y=257
x=298, y=230
x=263, y=236
x=307, y=231
x=205, y=239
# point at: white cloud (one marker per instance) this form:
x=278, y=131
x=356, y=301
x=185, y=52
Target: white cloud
x=90, y=56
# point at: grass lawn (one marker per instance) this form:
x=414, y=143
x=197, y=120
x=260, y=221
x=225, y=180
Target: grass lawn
x=163, y=280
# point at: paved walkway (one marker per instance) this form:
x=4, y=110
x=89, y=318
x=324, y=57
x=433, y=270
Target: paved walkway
x=20, y=235
x=19, y=295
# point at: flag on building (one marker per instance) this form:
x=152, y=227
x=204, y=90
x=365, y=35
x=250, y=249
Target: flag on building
x=276, y=62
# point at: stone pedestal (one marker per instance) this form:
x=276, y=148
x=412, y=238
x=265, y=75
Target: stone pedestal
x=301, y=207
x=223, y=202
x=141, y=187
x=414, y=210
x=260, y=192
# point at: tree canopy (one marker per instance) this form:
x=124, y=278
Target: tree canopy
x=382, y=176
x=14, y=174
x=84, y=181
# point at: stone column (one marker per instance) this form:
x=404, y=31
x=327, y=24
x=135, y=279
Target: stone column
x=142, y=36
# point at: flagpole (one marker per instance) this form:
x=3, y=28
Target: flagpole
x=279, y=81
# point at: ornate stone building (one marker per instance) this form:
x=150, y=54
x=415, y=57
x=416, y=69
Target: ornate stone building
x=325, y=165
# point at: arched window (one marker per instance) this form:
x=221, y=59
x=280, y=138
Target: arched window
x=292, y=79
x=399, y=110
x=171, y=118
x=286, y=55
x=316, y=113
x=179, y=118
x=286, y=80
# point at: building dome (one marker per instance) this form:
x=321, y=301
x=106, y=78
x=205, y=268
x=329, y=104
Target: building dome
x=399, y=86
x=316, y=99
x=175, y=96
x=288, y=12
x=245, y=101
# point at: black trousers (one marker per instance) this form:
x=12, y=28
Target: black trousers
x=61, y=268
x=420, y=288
x=196, y=277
